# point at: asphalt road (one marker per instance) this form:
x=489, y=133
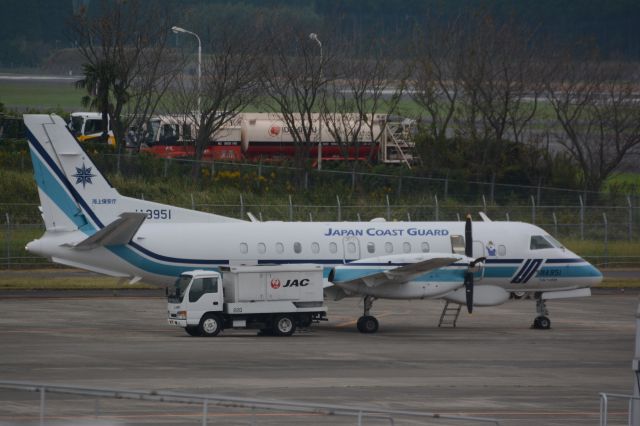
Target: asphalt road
x=491, y=365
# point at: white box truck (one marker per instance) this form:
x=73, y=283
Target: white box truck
x=274, y=299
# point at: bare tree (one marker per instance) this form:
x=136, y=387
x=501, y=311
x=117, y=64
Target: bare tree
x=596, y=106
x=228, y=85
x=294, y=82
x=366, y=84
x=436, y=62
x=124, y=46
x=501, y=84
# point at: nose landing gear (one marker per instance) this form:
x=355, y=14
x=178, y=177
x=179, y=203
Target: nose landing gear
x=541, y=322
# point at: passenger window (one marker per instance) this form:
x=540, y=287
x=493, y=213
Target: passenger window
x=351, y=247
x=297, y=247
x=244, y=248
x=315, y=247
x=539, y=242
x=406, y=247
x=425, y=247
x=333, y=247
x=388, y=247
x=280, y=247
x=457, y=244
x=502, y=250
x=202, y=286
x=262, y=248
x=371, y=247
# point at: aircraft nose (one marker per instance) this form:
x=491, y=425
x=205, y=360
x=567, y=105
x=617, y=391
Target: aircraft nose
x=592, y=276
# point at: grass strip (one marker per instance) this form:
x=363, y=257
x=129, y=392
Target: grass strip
x=27, y=282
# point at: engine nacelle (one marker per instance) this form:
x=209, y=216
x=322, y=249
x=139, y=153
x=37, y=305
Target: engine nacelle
x=375, y=276
x=483, y=295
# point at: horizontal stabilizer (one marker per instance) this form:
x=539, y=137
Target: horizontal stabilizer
x=118, y=232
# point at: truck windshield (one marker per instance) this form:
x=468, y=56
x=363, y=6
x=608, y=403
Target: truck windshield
x=176, y=292
x=76, y=125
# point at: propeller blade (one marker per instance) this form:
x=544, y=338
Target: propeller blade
x=476, y=261
x=468, y=290
x=468, y=238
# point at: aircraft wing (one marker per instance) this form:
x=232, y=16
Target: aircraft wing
x=401, y=274
x=118, y=232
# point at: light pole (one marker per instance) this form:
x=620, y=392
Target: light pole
x=314, y=37
x=177, y=30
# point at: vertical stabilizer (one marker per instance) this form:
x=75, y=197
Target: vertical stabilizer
x=72, y=190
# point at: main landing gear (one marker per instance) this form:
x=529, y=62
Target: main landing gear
x=367, y=323
x=542, y=322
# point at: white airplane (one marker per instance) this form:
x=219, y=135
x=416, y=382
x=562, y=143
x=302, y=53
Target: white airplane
x=89, y=225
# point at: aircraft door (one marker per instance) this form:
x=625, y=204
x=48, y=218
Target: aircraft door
x=478, y=251
x=350, y=249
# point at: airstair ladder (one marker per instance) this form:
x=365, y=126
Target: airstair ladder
x=396, y=145
x=450, y=314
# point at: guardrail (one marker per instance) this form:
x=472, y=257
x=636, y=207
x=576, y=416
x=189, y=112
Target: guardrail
x=604, y=405
x=359, y=413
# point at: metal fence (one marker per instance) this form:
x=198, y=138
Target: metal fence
x=88, y=408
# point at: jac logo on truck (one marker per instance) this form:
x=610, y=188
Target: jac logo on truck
x=275, y=283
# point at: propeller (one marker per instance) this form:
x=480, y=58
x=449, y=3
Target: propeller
x=468, y=275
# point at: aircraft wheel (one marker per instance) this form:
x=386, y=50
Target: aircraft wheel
x=210, y=325
x=284, y=325
x=367, y=324
x=542, y=323
x=193, y=330
x=518, y=294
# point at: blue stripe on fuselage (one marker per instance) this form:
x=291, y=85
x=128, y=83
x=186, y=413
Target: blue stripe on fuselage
x=581, y=271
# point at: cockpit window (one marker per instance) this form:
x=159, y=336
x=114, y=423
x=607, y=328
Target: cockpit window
x=553, y=241
x=539, y=242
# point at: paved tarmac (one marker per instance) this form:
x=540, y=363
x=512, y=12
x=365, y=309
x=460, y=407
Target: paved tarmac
x=491, y=365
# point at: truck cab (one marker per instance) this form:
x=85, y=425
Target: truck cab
x=274, y=299
x=87, y=127
x=193, y=295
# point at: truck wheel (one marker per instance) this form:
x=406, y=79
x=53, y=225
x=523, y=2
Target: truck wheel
x=284, y=325
x=210, y=325
x=193, y=330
